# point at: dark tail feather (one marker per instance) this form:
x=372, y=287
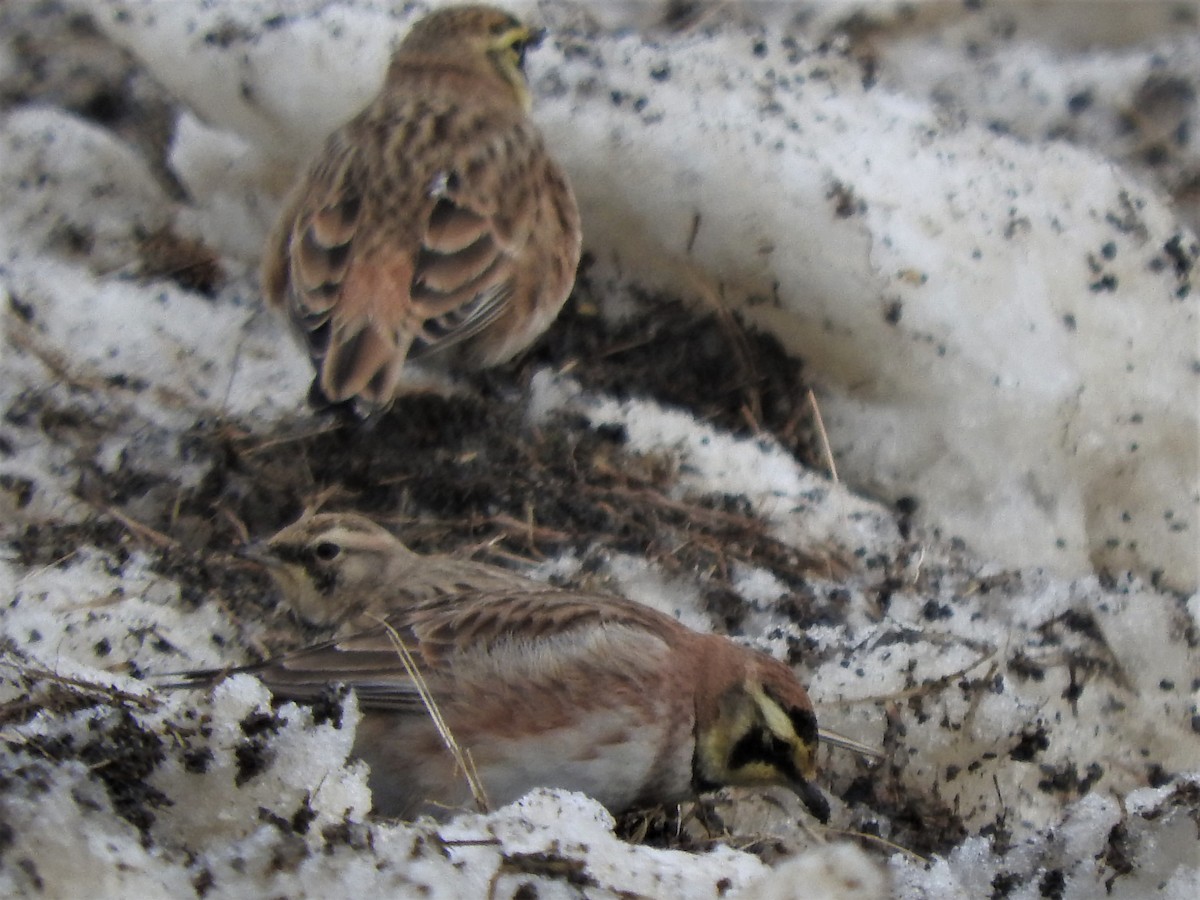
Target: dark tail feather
x=196, y=679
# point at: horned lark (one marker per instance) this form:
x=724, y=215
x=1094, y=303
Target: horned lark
x=562, y=689
x=433, y=227
x=542, y=686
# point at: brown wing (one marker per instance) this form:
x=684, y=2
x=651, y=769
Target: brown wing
x=404, y=239
x=451, y=634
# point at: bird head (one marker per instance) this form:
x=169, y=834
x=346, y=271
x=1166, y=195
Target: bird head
x=327, y=564
x=757, y=728
x=475, y=35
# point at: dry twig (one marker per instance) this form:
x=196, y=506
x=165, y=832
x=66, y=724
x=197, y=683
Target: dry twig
x=462, y=757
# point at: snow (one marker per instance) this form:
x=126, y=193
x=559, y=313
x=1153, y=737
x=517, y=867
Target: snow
x=989, y=279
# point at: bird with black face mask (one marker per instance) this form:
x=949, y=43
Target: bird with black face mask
x=541, y=686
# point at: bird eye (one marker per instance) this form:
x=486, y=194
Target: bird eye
x=518, y=51
x=327, y=550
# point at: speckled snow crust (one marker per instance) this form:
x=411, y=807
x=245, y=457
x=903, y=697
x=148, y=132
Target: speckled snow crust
x=1004, y=326
x=1029, y=291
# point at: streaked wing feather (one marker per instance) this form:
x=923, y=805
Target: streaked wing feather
x=368, y=663
x=453, y=228
x=439, y=630
x=324, y=227
x=463, y=277
x=369, y=286
x=442, y=332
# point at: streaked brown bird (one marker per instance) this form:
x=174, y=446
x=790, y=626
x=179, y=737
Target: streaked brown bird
x=433, y=228
x=541, y=686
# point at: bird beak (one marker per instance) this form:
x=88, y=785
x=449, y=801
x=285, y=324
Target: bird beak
x=534, y=37
x=258, y=552
x=812, y=798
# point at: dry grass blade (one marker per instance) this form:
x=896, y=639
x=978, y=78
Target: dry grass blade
x=300, y=436
x=143, y=532
x=833, y=739
x=925, y=687
x=867, y=838
x=825, y=448
x=462, y=758
x=71, y=688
